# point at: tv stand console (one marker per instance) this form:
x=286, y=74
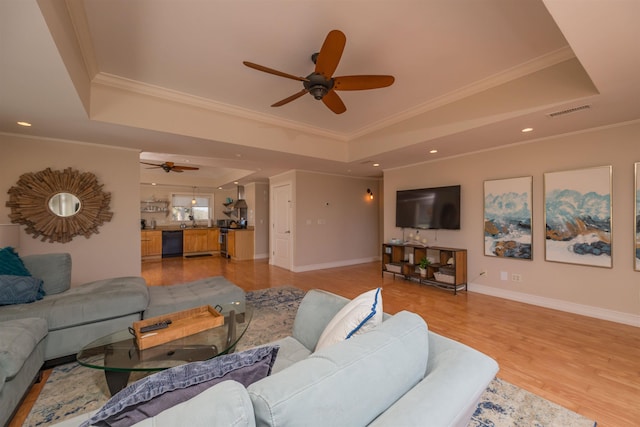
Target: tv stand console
x=447, y=268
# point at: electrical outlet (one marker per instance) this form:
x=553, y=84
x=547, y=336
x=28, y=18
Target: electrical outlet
x=516, y=277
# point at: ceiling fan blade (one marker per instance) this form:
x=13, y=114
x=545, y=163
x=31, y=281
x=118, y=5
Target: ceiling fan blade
x=176, y=170
x=330, y=53
x=290, y=98
x=333, y=101
x=185, y=168
x=362, y=82
x=272, y=71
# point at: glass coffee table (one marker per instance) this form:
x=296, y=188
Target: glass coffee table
x=118, y=355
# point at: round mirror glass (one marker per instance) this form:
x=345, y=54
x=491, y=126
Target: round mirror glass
x=64, y=204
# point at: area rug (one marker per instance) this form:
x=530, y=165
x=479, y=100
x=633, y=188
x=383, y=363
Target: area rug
x=72, y=389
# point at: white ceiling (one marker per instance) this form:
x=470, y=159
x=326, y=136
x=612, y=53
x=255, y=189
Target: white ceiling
x=165, y=77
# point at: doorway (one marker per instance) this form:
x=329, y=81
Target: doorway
x=281, y=242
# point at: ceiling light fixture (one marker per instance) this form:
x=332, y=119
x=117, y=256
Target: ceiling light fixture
x=525, y=130
x=194, y=201
x=25, y=124
x=375, y=165
x=434, y=151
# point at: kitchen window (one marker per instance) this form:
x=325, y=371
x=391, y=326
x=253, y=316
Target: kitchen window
x=182, y=208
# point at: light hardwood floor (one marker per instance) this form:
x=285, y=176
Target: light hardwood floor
x=588, y=365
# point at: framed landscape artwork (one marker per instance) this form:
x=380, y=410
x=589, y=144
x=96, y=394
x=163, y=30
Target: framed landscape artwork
x=508, y=218
x=636, y=218
x=577, y=215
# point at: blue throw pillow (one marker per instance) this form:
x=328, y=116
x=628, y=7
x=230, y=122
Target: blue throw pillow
x=151, y=395
x=20, y=289
x=11, y=264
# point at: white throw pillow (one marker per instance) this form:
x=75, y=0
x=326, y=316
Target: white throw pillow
x=360, y=315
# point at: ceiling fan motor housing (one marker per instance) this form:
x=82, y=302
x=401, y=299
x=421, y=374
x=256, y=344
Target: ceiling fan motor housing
x=318, y=85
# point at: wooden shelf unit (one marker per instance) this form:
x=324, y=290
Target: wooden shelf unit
x=447, y=269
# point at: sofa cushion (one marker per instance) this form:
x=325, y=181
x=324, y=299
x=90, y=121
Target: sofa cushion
x=53, y=269
x=20, y=289
x=19, y=338
x=291, y=351
x=85, y=304
x=153, y=394
x=209, y=291
x=10, y=263
x=360, y=315
x=349, y=383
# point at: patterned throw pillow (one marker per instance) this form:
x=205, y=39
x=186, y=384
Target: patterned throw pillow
x=11, y=264
x=20, y=289
x=151, y=395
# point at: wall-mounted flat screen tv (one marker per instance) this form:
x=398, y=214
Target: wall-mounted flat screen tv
x=429, y=208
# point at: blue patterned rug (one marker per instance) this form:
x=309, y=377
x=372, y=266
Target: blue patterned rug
x=72, y=389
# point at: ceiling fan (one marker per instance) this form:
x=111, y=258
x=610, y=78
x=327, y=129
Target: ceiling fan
x=320, y=83
x=170, y=167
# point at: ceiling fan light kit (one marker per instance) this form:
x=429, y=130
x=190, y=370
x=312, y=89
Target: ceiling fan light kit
x=320, y=84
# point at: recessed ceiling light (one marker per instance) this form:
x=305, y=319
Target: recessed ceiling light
x=525, y=130
x=235, y=182
x=434, y=151
x=153, y=183
x=25, y=124
x=375, y=165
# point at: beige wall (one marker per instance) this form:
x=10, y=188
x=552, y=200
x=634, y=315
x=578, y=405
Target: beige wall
x=612, y=294
x=115, y=251
x=333, y=222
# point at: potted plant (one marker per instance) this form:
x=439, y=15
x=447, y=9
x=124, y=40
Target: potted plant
x=424, y=262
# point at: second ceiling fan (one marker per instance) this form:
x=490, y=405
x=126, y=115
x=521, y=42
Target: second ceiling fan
x=321, y=83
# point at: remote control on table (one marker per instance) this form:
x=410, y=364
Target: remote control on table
x=155, y=326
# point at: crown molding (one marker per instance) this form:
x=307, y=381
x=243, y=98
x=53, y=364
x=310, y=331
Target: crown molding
x=513, y=73
x=169, y=95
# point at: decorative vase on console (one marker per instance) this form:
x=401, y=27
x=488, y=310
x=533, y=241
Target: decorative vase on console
x=424, y=262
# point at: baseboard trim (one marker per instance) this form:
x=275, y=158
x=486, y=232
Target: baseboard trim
x=569, y=307
x=342, y=263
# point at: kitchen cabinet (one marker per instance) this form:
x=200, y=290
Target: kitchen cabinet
x=151, y=244
x=240, y=244
x=200, y=241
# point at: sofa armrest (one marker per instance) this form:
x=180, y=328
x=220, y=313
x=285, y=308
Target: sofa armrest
x=316, y=310
x=225, y=404
x=53, y=269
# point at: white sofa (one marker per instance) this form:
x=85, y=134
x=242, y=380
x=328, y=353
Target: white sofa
x=398, y=374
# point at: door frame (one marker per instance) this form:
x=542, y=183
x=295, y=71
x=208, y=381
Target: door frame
x=273, y=215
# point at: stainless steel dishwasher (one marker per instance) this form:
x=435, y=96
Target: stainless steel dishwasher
x=171, y=243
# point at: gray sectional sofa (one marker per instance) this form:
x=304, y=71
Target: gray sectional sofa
x=67, y=318
x=398, y=374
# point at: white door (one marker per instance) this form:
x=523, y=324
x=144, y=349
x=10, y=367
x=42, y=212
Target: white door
x=281, y=226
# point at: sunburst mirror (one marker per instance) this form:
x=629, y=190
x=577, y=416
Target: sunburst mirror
x=59, y=205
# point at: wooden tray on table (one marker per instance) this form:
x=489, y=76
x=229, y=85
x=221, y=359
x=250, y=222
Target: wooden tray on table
x=183, y=323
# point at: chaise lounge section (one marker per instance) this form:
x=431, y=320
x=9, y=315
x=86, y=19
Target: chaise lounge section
x=67, y=318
